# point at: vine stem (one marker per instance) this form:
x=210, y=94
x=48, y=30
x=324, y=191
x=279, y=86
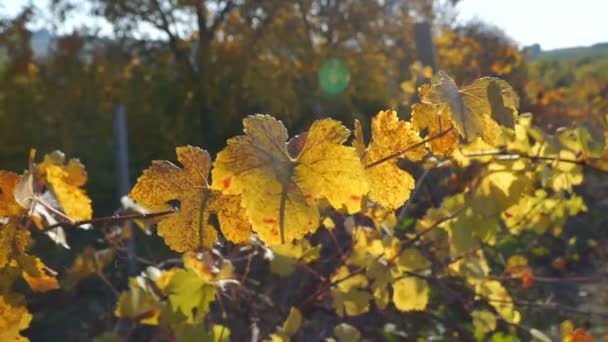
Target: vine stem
x=399, y=153
x=112, y=219
x=506, y=155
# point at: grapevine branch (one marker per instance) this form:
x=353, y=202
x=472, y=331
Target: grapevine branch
x=507, y=155
x=401, y=152
x=112, y=219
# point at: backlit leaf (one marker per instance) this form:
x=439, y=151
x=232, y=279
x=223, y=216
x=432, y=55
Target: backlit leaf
x=286, y=257
x=478, y=108
x=484, y=321
x=436, y=121
x=350, y=297
x=65, y=181
x=279, y=190
x=190, y=295
x=137, y=304
x=410, y=294
x=14, y=318
x=164, y=182
x=293, y=322
x=390, y=186
x=43, y=279
x=8, y=205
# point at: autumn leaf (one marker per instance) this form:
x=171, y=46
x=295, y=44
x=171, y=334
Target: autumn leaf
x=14, y=241
x=138, y=304
x=65, y=181
x=232, y=218
x=436, y=122
x=284, y=258
x=390, y=186
x=164, y=182
x=484, y=321
x=8, y=205
x=39, y=277
x=14, y=318
x=88, y=262
x=190, y=295
x=478, y=109
x=350, y=296
x=279, y=190
x=410, y=294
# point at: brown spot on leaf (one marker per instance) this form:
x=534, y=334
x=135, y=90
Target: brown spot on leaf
x=226, y=182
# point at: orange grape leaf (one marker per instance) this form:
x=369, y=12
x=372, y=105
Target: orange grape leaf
x=390, y=186
x=164, y=182
x=436, y=121
x=14, y=240
x=65, y=181
x=41, y=278
x=279, y=190
x=478, y=109
x=8, y=205
x=14, y=318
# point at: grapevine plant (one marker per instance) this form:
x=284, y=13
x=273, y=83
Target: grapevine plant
x=321, y=235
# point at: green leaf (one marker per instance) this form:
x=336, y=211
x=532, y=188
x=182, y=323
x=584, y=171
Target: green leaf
x=190, y=295
x=484, y=321
x=293, y=322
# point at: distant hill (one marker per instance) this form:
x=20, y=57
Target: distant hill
x=593, y=51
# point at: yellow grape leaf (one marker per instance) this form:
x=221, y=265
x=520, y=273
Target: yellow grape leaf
x=484, y=321
x=472, y=266
x=279, y=190
x=65, y=181
x=43, y=279
x=199, y=264
x=164, y=182
x=500, y=188
x=497, y=296
x=190, y=295
x=137, y=304
x=293, y=322
x=232, y=218
x=436, y=121
x=350, y=297
x=8, y=205
x=410, y=294
x=411, y=260
x=565, y=174
x=478, y=109
x=286, y=257
x=390, y=186
x=14, y=318
x=200, y=333
x=14, y=241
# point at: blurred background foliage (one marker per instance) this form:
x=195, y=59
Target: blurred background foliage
x=187, y=72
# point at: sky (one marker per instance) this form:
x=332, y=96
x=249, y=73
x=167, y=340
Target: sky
x=550, y=23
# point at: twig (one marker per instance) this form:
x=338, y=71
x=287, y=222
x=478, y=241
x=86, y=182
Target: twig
x=112, y=219
x=409, y=148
